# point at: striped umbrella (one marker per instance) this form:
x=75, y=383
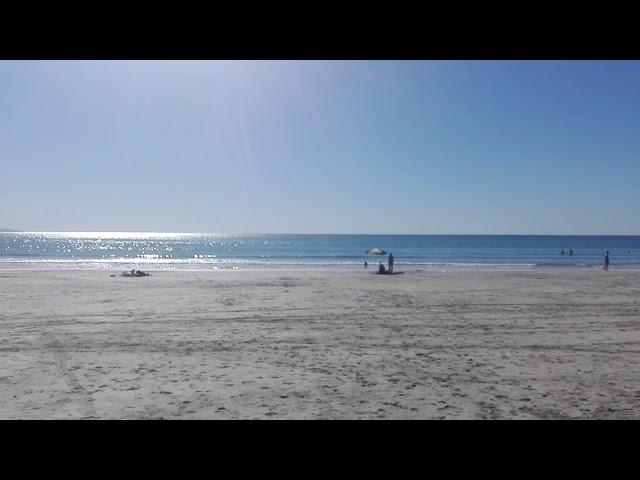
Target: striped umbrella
x=376, y=251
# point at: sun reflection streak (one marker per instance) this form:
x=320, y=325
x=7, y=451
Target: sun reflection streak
x=125, y=235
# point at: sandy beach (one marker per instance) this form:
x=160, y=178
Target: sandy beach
x=529, y=344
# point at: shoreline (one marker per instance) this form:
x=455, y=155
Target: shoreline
x=440, y=268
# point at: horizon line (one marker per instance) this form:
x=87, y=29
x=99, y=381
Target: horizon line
x=336, y=234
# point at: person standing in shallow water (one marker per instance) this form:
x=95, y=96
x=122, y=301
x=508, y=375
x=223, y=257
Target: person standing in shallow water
x=606, y=261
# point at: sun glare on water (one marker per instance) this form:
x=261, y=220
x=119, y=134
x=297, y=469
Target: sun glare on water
x=117, y=235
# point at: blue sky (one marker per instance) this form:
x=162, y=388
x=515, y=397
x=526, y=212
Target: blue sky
x=321, y=147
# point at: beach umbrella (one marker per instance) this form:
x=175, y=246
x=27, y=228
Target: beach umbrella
x=376, y=251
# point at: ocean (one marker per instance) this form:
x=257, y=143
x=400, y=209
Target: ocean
x=198, y=251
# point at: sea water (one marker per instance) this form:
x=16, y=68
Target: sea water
x=170, y=251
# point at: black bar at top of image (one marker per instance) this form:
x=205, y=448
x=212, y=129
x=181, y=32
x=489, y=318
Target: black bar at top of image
x=367, y=33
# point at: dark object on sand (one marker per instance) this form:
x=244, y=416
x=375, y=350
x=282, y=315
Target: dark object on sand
x=135, y=273
x=384, y=271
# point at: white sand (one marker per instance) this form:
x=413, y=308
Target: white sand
x=528, y=344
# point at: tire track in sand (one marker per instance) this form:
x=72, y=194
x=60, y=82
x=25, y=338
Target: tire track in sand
x=84, y=399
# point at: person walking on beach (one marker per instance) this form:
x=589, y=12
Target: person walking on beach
x=365, y=264
x=390, y=262
x=606, y=261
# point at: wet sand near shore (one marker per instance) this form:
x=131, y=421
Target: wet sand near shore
x=329, y=345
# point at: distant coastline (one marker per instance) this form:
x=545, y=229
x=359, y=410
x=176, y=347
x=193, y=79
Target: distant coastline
x=128, y=233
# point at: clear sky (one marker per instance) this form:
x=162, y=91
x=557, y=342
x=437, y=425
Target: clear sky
x=321, y=147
